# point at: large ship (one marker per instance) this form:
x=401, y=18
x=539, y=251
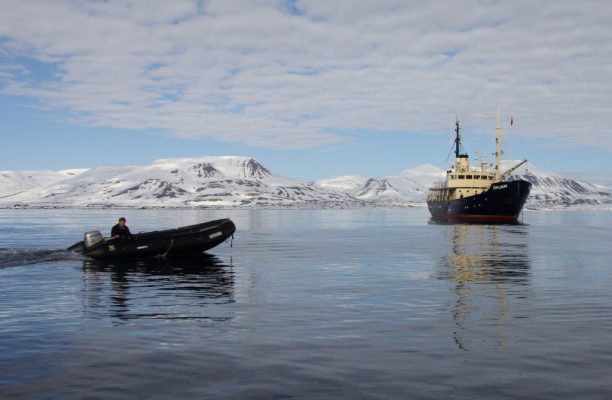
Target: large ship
x=477, y=193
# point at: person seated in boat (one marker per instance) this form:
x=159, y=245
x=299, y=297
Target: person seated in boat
x=121, y=231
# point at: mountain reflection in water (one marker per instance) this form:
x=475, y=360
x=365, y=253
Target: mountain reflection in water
x=490, y=270
x=160, y=288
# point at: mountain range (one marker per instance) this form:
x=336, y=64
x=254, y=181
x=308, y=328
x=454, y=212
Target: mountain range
x=243, y=182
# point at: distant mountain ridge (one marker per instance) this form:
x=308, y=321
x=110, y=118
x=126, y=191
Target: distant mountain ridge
x=243, y=182
x=14, y=182
x=550, y=190
x=186, y=182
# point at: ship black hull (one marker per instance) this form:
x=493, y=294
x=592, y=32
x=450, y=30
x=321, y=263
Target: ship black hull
x=501, y=203
x=193, y=239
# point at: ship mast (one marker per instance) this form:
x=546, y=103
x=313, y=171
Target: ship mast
x=498, y=151
x=457, y=138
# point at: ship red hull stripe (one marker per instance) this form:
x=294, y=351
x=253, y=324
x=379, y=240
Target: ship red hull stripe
x=477, y=218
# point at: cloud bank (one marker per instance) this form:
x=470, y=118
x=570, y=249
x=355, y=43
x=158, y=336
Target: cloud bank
x=300, y=74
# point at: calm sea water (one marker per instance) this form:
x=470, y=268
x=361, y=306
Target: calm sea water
x=342, y=304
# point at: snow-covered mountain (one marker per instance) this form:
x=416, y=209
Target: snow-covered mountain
x=189, y=182
x=410, y=187
x=552, y=190
x=244, y=182
x=378, y=189
x=14, y=182
x=348, y=183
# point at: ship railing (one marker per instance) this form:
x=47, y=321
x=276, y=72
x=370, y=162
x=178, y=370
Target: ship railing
x=438, y=185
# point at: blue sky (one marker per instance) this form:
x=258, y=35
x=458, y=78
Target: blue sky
x=310, y=88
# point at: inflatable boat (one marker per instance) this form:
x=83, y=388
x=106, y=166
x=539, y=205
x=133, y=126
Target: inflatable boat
x=191, y=239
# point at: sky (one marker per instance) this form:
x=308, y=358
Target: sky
x=310, y=88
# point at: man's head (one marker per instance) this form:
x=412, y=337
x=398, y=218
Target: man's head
x=122, y=222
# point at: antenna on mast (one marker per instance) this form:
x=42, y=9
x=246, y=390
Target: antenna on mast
x=498, y=151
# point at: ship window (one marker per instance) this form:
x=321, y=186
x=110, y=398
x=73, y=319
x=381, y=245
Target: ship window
x=468, y=176
x=461, y=176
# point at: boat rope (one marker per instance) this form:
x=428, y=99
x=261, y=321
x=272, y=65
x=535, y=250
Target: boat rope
x=232, y=241
x=169, y=247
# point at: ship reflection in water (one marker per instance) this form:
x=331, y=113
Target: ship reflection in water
x=490, y=270
x=158, y=288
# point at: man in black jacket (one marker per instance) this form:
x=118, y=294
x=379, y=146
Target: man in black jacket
x=121, y=231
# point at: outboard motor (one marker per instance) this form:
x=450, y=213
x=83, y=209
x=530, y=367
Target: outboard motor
x=92, y=238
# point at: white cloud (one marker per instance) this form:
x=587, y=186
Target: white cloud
x=296, y=74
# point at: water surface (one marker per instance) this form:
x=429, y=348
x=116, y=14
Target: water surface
x=367, y=303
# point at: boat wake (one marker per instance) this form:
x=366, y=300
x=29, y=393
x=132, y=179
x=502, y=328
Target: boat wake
x=20, y=256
